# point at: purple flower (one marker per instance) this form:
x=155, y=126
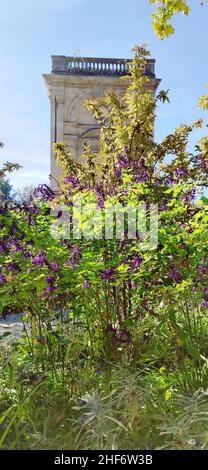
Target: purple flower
x=181, y=172
x=162, y=207
x=39, y=259
x=50, y=279
x=140, y=170
x=99, y=195
x=122, y=161
x=204, y=303
x=54, y=266
x=72, y=180
x=48, y=290
x=15, y=245
x=100, y=203
x=75, y=251
x=117, y=171
x=202, y=270
x=136, y=262
x=69, y=263
x=73, y=259
x=189, y=195
x=12, y=229
x=205, y=292
x=2, y=279
x=169, y=180
x=45, y=192
x=86, y=284
x=26, y=254
x=107, y=274
x=203, y=164
x=10, y=266
x=98, y=370
x=175, y=275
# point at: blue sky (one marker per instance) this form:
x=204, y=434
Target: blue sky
x=31, y=31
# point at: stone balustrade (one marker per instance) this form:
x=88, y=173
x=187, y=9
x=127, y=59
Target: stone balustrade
x=96, y=66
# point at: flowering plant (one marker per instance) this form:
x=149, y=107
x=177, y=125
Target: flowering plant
x=118, y=288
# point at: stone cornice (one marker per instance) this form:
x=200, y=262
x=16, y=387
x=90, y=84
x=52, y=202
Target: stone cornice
x=96, y=66
x=55, y=80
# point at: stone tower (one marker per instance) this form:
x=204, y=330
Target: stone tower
x=72, y=80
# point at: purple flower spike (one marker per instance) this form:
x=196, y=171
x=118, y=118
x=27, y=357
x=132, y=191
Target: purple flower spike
x=54, y=266
x=26, y=254
x=50, y=289
x=47, y=291
x=107, y=274
x=39, y=259
x=189, y=195
x=72, y=180
x=10, y=266
x=175, y=275
x=50, y=279
x=45, y=192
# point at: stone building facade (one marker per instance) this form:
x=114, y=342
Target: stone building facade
x=71, y=81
